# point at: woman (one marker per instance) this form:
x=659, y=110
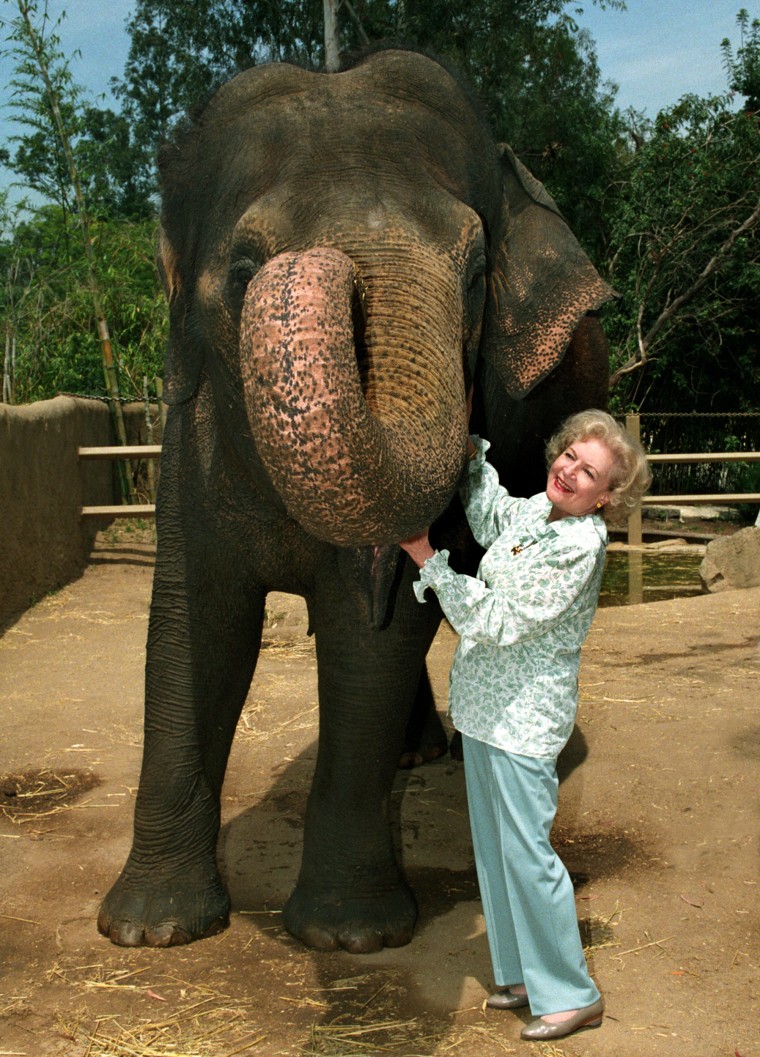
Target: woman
x=513, y=695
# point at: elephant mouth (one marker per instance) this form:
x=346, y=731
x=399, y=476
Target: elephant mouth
x=371, y=575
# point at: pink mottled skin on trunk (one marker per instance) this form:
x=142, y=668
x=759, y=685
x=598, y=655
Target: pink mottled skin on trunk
x=348, y=472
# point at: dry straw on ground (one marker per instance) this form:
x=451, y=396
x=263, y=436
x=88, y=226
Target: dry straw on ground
x=34, y=795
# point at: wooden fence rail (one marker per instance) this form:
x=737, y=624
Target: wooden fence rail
x=122, y=451
x=153, y=451
x=633, y=426
x=129, y=451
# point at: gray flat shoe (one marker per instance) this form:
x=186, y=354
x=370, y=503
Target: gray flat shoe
x=506, y=999
x=588, y=1017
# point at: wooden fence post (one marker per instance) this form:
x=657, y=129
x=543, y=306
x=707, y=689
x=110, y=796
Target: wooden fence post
x=633, y=428
x=635, y=557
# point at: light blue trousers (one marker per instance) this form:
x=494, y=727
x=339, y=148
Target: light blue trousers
x=527, y=894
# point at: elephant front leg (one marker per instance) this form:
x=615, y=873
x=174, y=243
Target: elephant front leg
x=350, y=891
x=202, y=646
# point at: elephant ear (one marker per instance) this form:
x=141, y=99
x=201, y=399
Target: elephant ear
x=182, y=359
x=542, y=284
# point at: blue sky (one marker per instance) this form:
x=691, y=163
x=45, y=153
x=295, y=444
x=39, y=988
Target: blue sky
x=656, y=51
x=659, y=50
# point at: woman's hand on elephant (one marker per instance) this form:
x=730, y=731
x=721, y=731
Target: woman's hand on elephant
x=418, y=548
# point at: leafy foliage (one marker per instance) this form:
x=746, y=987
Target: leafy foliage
x=40, y=159
x=47, y=306
x=59, y=260
x=100, y=141
x=743, y=69
x=685, y=256
x=180, y=52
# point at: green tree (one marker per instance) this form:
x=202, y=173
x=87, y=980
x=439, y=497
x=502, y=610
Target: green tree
x=46, y=304
x=97, y=141
x=538, y=77
x=685, y=258
x=180, y=52
x=535, y=71
x=41, y=104
x=743, y=69
x=115, y=185
x=46, y=100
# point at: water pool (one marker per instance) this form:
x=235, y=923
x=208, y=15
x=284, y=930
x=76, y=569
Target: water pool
x=650, y=576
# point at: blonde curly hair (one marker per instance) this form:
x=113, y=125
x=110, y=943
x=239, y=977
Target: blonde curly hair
x=630, y=476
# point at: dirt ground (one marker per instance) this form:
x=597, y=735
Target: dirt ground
x=658, y=825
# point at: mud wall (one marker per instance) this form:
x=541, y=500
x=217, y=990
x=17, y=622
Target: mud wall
x=44, y=543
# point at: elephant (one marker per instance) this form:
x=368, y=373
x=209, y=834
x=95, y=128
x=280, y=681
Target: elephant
x=346, y=256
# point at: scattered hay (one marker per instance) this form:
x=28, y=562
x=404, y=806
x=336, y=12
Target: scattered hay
x=341, y=1039
x=17, y=1006
x=183, y=1035
x=127, y=530
x=300, y=647
x=36, y=794
x=649, y=944
x=548, y=1049
x=368, y=1023
x=96, y=975
x=371, y=1026
x=305, y=720
x=598, y=932
x=199, y=1021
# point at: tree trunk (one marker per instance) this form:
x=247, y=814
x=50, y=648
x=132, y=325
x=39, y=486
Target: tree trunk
x=332, y=45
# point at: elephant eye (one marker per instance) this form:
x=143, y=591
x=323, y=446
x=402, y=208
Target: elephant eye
x=242, y=271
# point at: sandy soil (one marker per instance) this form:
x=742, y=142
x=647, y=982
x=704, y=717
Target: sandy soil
x=658, y=825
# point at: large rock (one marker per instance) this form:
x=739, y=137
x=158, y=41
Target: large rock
x=732, y=561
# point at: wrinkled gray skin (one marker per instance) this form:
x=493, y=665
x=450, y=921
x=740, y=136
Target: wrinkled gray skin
x=343, y=254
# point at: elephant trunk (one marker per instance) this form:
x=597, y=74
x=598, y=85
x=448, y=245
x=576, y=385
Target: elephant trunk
x=356, y=461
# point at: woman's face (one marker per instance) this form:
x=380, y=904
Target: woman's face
x=579, y=479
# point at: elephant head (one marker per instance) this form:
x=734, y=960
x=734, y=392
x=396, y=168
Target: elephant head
x=338, y=250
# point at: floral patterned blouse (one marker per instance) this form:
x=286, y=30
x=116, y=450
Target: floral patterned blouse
x=522, y=621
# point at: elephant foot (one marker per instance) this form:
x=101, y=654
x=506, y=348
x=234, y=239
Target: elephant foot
x=359, y=924
x=424, y=741
x=144, y=909
x=417, y=757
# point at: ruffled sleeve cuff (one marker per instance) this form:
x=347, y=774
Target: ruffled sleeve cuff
x=481, y=447
x=436, y=567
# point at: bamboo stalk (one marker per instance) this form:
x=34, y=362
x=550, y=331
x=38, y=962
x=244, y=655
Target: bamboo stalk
x=126, y=480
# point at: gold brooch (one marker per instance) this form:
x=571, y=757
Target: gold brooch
x=517, y=549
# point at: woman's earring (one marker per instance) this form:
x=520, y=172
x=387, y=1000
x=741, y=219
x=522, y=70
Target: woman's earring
x=599, y=504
